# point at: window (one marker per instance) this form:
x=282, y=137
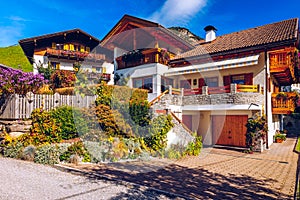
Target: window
x=238, y=79
x=72, y=47
x=143, y=83
x=165, y=82
x=186, y=84
x=66, y=46
x=212, y=82
x=53, y=45
x=55, y=65
x=81, y=48
x=88, y=49
x=97, y=69
x=241, y=79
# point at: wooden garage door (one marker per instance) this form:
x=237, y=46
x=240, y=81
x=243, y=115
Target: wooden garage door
x=229, y=130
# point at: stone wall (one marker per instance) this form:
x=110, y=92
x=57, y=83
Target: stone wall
x=213, y=99
x=14, y=128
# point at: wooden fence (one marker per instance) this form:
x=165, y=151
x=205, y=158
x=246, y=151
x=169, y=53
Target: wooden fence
x=20, y=106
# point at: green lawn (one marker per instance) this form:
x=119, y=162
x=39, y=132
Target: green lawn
x=298, y=145
x=14, y=57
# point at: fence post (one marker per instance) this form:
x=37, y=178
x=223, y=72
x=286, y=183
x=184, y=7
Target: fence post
x=56, y=100
x=29, y=98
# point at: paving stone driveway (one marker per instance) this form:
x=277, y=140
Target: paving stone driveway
x=215, y=174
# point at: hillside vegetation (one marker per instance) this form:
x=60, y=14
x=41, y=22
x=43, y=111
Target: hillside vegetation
x=14, y=57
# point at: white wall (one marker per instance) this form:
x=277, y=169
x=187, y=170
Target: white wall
x=155, y=70
x=38, y=62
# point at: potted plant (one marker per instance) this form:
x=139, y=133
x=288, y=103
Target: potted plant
x=279, y=137
x=282, y=95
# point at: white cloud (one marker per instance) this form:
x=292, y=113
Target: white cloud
x=178, y=12
x=17, y=19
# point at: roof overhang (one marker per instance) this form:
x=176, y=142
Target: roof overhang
x=132, y=33
x=29, y=45
x=213, y=66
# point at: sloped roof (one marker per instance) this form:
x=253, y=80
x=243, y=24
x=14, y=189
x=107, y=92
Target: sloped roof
x=146, y=32
x=29, y=44
x=270, y=34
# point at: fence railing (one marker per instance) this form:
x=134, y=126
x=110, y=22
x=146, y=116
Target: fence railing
x=21, y=106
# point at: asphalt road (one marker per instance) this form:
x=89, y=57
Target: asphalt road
x=26, y=180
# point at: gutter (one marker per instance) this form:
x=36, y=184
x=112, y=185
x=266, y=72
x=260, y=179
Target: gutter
x=266, y=95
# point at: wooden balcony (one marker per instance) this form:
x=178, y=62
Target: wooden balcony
x=282, y=65
x=97, y=76
x=78, y=55
x=283, y=102
x=144, y=56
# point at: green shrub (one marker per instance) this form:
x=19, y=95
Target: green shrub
x=194, y=147
x=71, y=121
x=159, y=127
x=49, y=153
x=13, y=150
x=44, y=129
x=78, y=149
x=52, y=126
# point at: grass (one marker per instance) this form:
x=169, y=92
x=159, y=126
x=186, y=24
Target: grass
x=298, y=145
x=14, y=57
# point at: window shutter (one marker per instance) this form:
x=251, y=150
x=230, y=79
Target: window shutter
x=53, y=45
x=226, y=80
x=249, y=79
x=201, y=82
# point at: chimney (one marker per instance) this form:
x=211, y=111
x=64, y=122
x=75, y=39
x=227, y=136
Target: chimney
x=210, y=33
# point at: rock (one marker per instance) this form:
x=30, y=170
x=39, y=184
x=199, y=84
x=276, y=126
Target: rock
x=16, y=134
x=19, y=128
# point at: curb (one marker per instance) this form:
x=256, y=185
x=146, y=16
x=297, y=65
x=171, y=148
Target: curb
x=120, y=181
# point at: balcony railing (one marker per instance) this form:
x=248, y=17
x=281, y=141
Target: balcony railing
x=216, y=95
x=233, y=88
x=143, y=56
x=74, y=54
x=283, y=102
x=96, y=76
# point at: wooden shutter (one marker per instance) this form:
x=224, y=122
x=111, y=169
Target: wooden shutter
x=249, y=79
x=226, y=80
x=201, y=82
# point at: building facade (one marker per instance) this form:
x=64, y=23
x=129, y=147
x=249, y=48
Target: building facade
x=216, y=85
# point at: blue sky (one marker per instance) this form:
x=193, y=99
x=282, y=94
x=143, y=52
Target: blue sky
x=21, y=19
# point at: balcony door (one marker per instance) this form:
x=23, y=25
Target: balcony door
x=186, y=84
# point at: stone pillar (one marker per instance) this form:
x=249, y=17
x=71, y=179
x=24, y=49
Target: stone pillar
x=170, y=89
x=233, y=88
x=205, y=90
x=181, y=91
x=259, y=89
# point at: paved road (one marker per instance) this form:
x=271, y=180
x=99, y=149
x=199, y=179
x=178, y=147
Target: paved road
x=26, y=180
x=215, y=174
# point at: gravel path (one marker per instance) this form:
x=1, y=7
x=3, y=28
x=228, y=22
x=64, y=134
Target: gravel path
x=26, y=180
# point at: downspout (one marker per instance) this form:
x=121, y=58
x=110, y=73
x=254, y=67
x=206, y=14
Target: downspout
x=266, y=96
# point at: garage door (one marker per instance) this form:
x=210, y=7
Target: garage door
x=229, y=130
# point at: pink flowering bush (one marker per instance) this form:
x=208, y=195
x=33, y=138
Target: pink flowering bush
x=14, y=81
